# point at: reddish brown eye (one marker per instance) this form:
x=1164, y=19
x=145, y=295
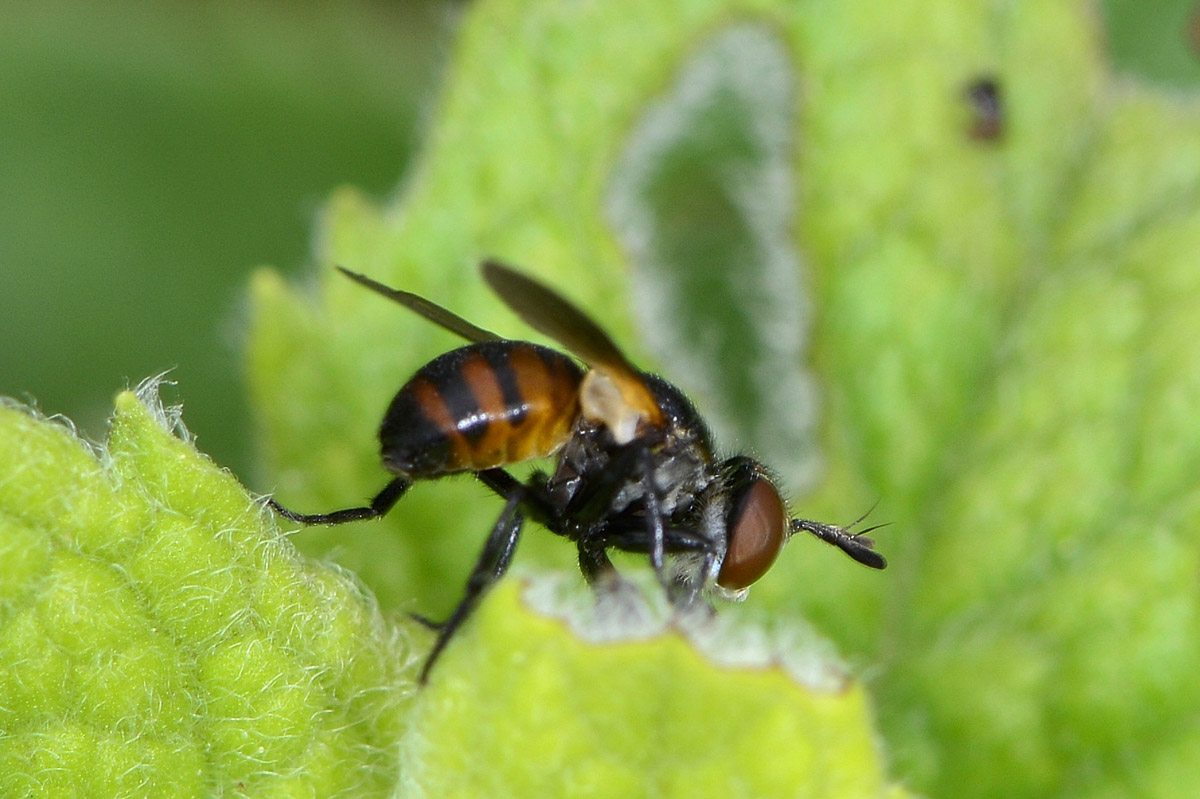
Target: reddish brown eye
x=757, y=529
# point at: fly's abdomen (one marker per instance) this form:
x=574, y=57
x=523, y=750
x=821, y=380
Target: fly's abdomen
x=481, y=406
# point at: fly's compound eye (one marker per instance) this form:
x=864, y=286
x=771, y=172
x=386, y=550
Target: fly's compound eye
x=756, y=528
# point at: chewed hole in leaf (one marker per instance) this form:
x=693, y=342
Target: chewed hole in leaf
x=702, y=201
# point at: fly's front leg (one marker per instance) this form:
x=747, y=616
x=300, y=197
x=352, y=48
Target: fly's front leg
x=654, y=518
x=493, y=562
x=695, y=555
x=687, y=584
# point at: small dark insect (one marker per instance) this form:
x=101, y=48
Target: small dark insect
x=987, y=109
x=635, y=468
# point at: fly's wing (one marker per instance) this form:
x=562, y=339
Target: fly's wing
x=430, y=310
x=549, y=313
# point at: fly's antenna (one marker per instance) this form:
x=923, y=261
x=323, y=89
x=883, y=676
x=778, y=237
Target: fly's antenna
x=856, y=545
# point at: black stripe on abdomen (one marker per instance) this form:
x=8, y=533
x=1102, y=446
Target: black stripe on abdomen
x=500, y=360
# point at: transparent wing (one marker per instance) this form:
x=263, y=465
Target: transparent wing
x=430, y=310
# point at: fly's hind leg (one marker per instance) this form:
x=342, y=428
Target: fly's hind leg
x=493, y=562
x=380, y=505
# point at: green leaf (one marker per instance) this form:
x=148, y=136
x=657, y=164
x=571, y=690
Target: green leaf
x=544, y=695
x=1000, y=334
x=159, y=638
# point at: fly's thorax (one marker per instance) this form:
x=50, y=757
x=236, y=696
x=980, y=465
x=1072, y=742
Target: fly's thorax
x=682, y=474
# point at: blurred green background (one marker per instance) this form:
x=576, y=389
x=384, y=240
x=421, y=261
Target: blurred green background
x=152, y=153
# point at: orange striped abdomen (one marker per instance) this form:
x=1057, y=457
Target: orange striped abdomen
x=481, y=406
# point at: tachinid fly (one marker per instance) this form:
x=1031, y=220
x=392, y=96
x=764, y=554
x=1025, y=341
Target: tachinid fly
x=634, y=470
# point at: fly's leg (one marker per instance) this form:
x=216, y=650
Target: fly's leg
x=533, y=499
x=687, y=585
x=595, y=506
x=381, y=504
x=593, y=502
x=493, y=562
x=654, y=520
x=594, y=563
